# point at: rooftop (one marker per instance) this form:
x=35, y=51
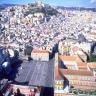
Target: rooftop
x=76, y=72
x=70, y=58
x=92, y=65
x=82, y=66
x=39, y=51
x=35, y=73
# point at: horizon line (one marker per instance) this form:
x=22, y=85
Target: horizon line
x=47, y=4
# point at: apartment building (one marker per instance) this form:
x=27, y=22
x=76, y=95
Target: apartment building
x=71, y=73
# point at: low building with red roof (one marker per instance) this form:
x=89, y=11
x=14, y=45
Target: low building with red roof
x=42, y=55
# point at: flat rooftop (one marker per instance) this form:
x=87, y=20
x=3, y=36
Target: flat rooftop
x=35, y=73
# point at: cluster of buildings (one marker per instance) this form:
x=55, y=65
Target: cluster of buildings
x=69, y=33
x=22, y=28
x=74, y=48
x=72, y=75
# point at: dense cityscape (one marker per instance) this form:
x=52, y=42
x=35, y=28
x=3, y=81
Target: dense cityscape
x=47, y=51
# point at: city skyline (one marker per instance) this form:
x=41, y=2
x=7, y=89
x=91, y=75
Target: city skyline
x=66, y=3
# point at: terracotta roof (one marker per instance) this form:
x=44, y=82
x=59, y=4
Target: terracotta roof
x=92, y=65
x=70, y=58
x=39, y=51
x=82, y=66
x=67, y=58
x=76, y=72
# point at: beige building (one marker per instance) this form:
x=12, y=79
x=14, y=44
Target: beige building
x=58, y=79
x=70, y=74
x=41, y=55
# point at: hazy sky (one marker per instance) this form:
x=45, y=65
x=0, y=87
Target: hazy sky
x=79, y=3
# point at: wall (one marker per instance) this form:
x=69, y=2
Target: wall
x=40, y=56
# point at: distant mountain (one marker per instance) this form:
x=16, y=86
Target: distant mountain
x=3, y=6
x=48, y=8
x=77, y=8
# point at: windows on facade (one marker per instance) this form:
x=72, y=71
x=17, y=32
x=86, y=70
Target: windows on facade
x=72, y=67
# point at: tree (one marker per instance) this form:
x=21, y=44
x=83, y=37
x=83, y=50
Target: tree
x=92, y=58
